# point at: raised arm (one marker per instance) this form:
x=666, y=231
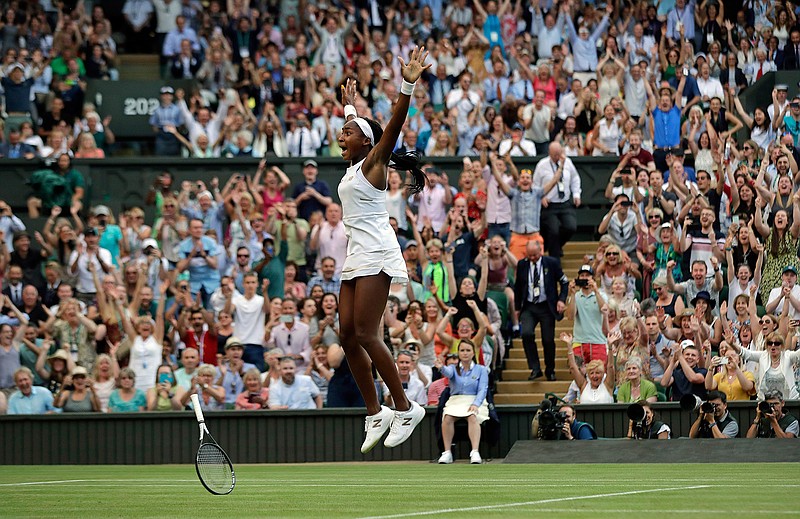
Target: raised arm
x=375, y=164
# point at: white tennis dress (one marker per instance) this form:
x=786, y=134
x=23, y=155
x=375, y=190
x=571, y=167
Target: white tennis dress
x=372, y=246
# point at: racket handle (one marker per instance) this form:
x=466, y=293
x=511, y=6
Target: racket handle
x=197, y=411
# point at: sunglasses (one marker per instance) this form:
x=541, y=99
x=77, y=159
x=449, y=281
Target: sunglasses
x=612, y=253
x=184, y=287
x=774, y=343
x=654, y=217
x=746, y=148
x=764, y=321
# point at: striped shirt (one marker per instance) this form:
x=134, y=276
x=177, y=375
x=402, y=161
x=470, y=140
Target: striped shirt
x=526, y=209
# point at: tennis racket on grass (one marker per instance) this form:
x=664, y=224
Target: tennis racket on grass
x=214, y=467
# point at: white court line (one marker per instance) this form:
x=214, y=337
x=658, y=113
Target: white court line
x=659, y=511
x=26, y=483
x=538, y=502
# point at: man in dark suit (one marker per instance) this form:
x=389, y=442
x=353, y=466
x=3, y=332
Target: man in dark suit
x=738, y=76
x=791, y=51
x=15, y=148
x=540, y=293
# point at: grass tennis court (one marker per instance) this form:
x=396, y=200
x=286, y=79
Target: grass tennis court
x=371, y=490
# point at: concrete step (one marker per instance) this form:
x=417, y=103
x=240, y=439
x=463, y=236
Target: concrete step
x=521, y=375
x=519, y=353
x=139, y=66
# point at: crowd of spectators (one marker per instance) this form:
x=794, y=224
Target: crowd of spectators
x=231, y=290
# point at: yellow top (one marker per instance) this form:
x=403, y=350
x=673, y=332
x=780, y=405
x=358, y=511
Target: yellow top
x=734, y=391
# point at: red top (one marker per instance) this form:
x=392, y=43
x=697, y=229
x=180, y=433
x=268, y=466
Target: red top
x=205, y=343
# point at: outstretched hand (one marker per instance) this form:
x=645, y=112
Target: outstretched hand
x=416, y=64
x=349, y=92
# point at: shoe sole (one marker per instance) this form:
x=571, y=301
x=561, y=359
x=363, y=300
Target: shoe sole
x=414, y=423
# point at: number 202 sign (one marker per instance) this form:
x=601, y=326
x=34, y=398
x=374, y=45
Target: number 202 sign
x=130, y=103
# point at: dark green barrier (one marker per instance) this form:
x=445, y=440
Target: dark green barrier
x=123, y=182
x=278, y=436
x=130, y=103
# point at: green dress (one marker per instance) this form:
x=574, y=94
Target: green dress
x=774, y=264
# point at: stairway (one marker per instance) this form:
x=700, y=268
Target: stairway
x=515, y=387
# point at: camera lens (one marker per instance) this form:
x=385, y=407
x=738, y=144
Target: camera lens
x=765, y=407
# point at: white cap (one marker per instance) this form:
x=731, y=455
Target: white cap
x=149, y=242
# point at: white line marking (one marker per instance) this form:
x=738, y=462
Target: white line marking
x=538, y=502
x=56, y=482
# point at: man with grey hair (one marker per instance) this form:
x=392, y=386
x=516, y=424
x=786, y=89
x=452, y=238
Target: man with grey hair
x=771, y=421
x=559, y=222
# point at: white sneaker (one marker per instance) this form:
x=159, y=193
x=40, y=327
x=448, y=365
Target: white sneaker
x=403, y=425
x=446, y=458
x=475, y=458
x=376, y=426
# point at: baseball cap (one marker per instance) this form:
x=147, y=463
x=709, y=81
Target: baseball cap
x=149, y=242
x=233, y=341
x=586, y=268
x=410, y=243
x=781, y=86
x=517, y=126
x=167, y=90
x=310, y=162
x=91, y=231
x=687, y=344
x=101, y=210
x=789, y=268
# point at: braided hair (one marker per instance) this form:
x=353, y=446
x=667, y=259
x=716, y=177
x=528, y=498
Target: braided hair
x=407, y=161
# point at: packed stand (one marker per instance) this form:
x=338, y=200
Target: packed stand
x=231, y=291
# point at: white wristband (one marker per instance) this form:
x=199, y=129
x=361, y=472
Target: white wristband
x=407, y=88
x=350, y=110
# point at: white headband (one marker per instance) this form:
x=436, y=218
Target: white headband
x=366, y=129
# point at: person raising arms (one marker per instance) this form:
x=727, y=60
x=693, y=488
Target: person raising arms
x=374, y=258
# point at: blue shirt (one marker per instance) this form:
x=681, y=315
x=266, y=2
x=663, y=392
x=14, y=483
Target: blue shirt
x=232, y=382
x=584, y=52
x=333, y=286
x=40, y=401
x=526, y=210
x=667, y=127
x=212, y=219
x=474, y=381
x=169, y=115
x=201, y=275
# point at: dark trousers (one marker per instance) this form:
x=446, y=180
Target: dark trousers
x=660, y=160
x=254, y=354
x=558, y=224
x=534, y=314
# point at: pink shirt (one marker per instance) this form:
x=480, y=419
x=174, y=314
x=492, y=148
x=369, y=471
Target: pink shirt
x=332, y=242
x=498, y=205
x=549, y=88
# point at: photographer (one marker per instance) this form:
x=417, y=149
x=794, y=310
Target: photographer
x=583, y=305
x=648, y=428
x=713, y=420
x=770, y=421
x=560, y=424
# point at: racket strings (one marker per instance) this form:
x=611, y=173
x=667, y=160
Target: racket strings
x=214, y=468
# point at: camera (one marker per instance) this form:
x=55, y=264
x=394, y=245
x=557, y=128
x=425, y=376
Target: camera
x=723, y=361
x=627, y=204
x=637, y=415
x=766, y=408
x=581, y=283
x=691, y=403
x=551, y=421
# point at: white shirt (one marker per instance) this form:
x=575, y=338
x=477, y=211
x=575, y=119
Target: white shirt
x=431, y=204
x=248, y=324
x=300, y=395
x=777, y=293
x=303, y=142
x=415, y=391
x=526, y=147
x=85, y=283
x=570, y=180
x=710, y=87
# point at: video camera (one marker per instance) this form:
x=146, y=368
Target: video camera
x=691, y=403
x=551, y=421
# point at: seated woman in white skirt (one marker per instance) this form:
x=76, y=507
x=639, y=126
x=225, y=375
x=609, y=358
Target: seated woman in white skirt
x=469, y=383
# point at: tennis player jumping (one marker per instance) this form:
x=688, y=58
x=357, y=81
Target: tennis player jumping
x=374, y=258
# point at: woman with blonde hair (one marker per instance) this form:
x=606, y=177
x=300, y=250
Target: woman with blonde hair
x=616, y=264
x=135, y=231
x=775, y=366
x=87, y=148
x=597, y=386
x=727, y=374
x=212, y=395
x=127, y=398
x=75, y=332
x=443, y=146
x=104, y=376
